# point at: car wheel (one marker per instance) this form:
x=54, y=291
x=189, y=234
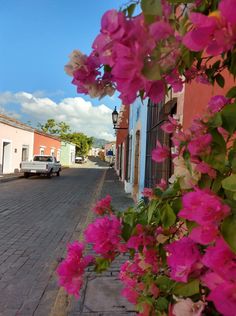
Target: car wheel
x=58, y=173
x=26, y=174
x=49, y=175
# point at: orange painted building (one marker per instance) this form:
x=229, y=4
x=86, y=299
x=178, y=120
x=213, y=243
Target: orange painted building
x=197, y=96
x=122, y=142
x=45, y=144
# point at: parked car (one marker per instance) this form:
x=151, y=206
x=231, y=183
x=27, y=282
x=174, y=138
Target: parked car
x=81, y=159
x=41, y=165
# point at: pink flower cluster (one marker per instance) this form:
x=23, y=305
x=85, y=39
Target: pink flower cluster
x=207, y=210
x=105, y=235
x=72, y=269
x=131, y=274
x=127, y=47
x=221, y=277
x=103, y=206
x=183, y=258
x=215, y=33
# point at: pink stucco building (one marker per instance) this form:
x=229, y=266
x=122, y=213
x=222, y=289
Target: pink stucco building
x=16, y=144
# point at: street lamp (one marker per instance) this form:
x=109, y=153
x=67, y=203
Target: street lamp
x=115, y=115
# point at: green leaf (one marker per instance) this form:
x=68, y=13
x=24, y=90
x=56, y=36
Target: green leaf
x=129, y=218
x=187, y=289
x=152, y=72
x=217, y=184
x=131, y=9
x=232, y=159
x=187, y=56
x=152, y=207
x=168, y=216
x=220, y=80
x=102, y=264
x=164, y=283
x=215, y=121
x=232, y=67
x=126, y=231
x=229, y=183
x=231, y=93
x=162, y=304
x=151, y=7
x=228, y=230
x=229, y=117
x=177, y=205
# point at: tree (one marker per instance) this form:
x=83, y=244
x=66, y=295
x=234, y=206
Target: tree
x=83, y=142
x=61, y=129
x=55, y=128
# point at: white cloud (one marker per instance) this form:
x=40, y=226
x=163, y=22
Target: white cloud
x=81, y=115
x=9, y=113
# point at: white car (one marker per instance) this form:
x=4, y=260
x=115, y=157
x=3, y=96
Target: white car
x=80, y=159
x=41, y=165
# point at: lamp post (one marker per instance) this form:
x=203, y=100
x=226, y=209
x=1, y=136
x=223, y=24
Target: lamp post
x=115, y=115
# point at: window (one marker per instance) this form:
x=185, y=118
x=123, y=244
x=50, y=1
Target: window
x=41, y=151
x=43, y=158
x=157, y=114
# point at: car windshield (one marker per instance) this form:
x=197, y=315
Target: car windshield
x=43, y=158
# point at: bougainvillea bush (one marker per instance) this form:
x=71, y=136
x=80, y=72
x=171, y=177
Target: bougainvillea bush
x=182, y=242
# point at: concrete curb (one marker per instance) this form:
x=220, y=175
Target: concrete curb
x=13, y=178
x=63, y=301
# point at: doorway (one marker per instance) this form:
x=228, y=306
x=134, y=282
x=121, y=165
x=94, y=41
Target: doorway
x=25, y=153
x=6, y=157
x=136, y=165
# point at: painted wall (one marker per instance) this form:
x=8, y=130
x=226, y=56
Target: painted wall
x=197, y=96
x=47, y=144
x=121, y=141
x=15, y=138
x=137, y=122
x=67, y=154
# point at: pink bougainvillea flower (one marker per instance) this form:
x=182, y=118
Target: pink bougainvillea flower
x=71, y=270
x=105, y=235
x=130, y=294
x=103, y=206
x=219, y=256
x=216, y=103
x=183, y=258
x=170, y=126
x=199, y=38
x=175, y=81
x=155, y=90
x=141, y=239
x=204, y=168
x=160, y=153
x=204, y=234
x=162, y=185
x=200, y=145
x=224, y=298
x=203, y=207
x=160, y=30
x=227, y=9
x=148, y=192
x=213, y=33
x=186, y=307
x=222, y=292
x=223, y=132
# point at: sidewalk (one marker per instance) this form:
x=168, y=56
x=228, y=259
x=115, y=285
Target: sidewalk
x=101, y=295
x=10, y=176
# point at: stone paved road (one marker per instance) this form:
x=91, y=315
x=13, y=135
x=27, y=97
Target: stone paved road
x=37, y=218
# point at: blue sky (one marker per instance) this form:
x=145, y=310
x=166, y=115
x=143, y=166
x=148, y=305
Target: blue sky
x=36, y=38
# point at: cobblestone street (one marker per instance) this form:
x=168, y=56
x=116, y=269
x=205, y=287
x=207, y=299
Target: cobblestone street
x=38, y=216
